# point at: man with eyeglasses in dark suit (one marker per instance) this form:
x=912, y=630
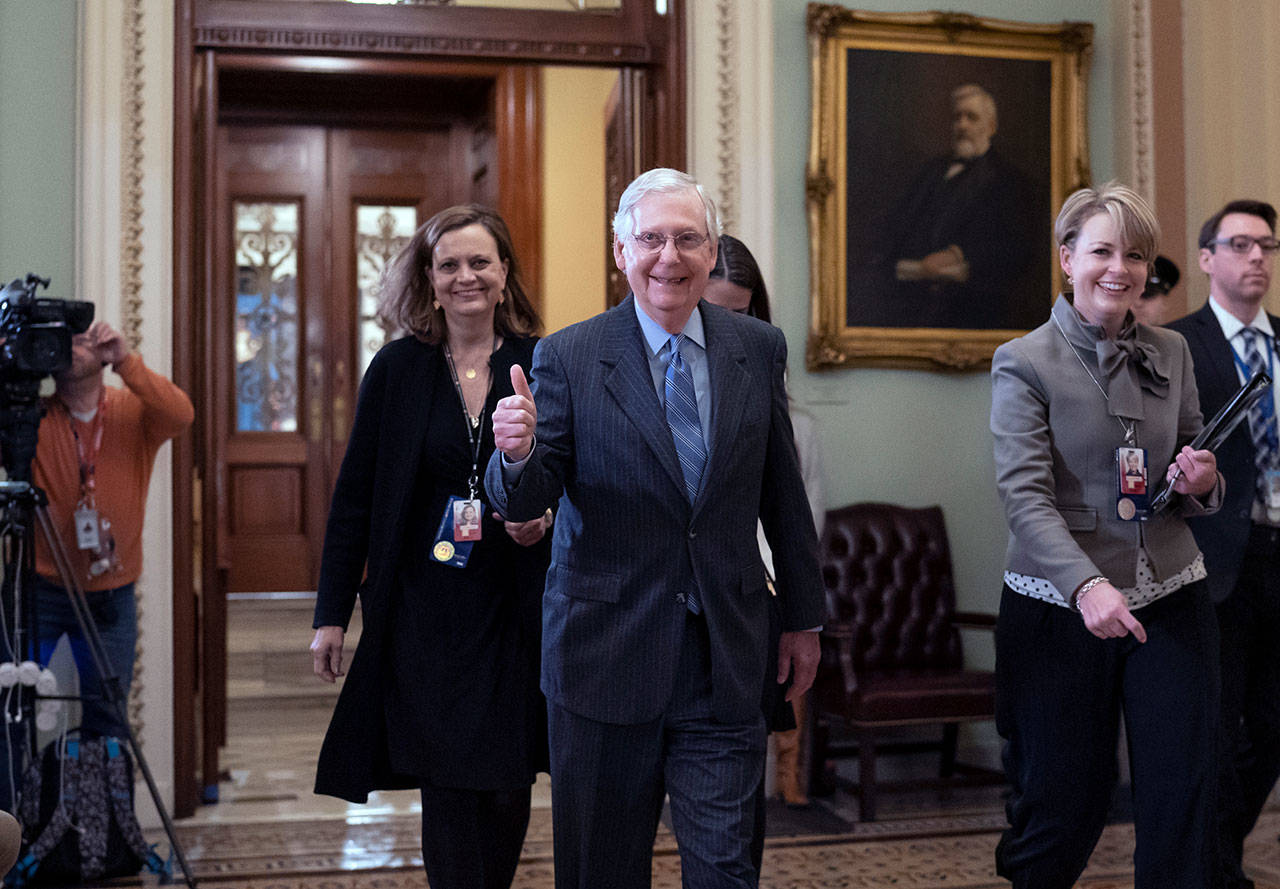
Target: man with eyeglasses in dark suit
x=1230, y=338
x=663, y=432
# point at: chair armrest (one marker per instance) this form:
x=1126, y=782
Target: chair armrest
x=974, y=620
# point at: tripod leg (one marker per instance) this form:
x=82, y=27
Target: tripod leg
x=110, y=680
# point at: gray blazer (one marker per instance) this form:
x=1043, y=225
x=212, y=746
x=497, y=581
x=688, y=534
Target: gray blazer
x=1055, y=442
x=628, y=547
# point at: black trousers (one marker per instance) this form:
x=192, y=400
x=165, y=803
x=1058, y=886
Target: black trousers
x=1060, y=692
x=1249, y=624
x=471, y=839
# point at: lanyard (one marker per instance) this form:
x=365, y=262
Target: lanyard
x=88, y=462
x=1130, y=438
x=474, y=424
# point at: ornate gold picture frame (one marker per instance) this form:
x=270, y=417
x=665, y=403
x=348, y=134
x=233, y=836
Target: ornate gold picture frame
x=942, y=145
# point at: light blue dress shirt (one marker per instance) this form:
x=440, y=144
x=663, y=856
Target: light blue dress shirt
x=656, y=339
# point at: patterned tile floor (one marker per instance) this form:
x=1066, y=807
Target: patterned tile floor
x=382, y=854
x=270, y=832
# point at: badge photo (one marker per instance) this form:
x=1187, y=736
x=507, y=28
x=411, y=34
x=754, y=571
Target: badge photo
x=1132, y=498
x=466, y=520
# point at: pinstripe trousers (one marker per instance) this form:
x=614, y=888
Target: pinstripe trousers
x=608, y=783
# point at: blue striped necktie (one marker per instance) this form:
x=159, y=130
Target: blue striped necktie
x=1262, y=418
x=682, y=417
x=686, y=429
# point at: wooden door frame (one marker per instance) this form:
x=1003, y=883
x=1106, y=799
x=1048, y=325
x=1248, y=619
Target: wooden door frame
x=211, y=35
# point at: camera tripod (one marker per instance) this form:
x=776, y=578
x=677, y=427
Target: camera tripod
x=20, y=503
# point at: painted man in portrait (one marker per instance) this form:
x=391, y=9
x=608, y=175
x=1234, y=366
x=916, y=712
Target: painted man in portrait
x=955, y=249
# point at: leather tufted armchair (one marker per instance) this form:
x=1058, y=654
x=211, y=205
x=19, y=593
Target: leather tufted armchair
x=891, y=653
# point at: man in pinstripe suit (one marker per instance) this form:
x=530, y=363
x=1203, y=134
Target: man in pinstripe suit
x=655, y=615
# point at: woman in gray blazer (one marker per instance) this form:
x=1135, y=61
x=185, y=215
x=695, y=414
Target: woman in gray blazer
x=1104, y=608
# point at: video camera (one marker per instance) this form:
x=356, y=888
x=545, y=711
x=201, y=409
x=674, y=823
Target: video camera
x=35, y=334
x=35, y=342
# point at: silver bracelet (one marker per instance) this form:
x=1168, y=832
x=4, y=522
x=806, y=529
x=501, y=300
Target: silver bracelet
x=1088, y=585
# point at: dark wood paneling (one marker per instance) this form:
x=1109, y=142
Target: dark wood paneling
x=284, y=448
x=621, y=161
x=188, y=548
x=278, y=164
x=279, y=561
x=267, y=500
x=518, y=109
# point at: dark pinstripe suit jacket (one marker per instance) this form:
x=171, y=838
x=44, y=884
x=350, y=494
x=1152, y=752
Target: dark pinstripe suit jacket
x=628, y=546
x=1222, y=537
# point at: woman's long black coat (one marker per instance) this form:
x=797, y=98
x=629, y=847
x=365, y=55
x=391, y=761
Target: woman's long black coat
x=367, y=523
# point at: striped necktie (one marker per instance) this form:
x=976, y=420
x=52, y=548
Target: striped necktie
x=682, y=417
x=1262, y=419
x=686, y=429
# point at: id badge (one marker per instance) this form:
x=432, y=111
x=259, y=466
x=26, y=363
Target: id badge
x=447, y=548
x=86, y=519
x=466, y=520
x=1133, y=502
x=1273, y=494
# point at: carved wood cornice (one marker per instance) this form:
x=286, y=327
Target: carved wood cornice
x=330, y=41
x=825, y=18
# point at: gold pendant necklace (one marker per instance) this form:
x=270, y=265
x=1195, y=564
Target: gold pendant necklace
x=470, y=373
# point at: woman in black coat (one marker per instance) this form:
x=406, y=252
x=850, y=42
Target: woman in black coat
x=443, y=688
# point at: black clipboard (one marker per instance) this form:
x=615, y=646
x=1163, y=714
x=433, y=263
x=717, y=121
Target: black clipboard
x=1224, y=422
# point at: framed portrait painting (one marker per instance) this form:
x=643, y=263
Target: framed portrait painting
x=941, y=146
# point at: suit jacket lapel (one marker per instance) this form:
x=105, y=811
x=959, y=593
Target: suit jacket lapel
x=1223, y=367
x=730, y=385
x=630, y=382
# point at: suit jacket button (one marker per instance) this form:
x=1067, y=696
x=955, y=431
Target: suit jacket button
x=680, y=598
x=692, y=533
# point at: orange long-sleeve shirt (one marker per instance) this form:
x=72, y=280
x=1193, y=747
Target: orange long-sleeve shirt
x=138, y=420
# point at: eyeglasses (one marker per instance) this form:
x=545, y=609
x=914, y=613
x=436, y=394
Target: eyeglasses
x=1243, y=243
x=653, y=242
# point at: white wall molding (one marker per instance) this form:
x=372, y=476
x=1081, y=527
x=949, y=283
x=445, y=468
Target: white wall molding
x=730, y=123
x=124, y=147
x=1137, y=129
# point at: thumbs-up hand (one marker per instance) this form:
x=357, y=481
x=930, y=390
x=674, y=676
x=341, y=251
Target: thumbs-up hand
x=514, y=419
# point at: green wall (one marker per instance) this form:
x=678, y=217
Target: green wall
x=910, y=437
x=37, y=141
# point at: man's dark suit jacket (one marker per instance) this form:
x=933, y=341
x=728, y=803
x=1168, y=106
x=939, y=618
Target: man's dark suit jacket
x=628, y=546
x=1222, y=537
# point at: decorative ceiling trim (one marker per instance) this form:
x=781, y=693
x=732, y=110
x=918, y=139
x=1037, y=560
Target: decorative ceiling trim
x=314, y=40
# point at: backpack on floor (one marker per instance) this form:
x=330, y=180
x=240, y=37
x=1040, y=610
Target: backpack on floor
x=78, y=823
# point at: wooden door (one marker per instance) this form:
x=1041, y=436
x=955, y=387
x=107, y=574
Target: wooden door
x=623, y=143
x=308, y=216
